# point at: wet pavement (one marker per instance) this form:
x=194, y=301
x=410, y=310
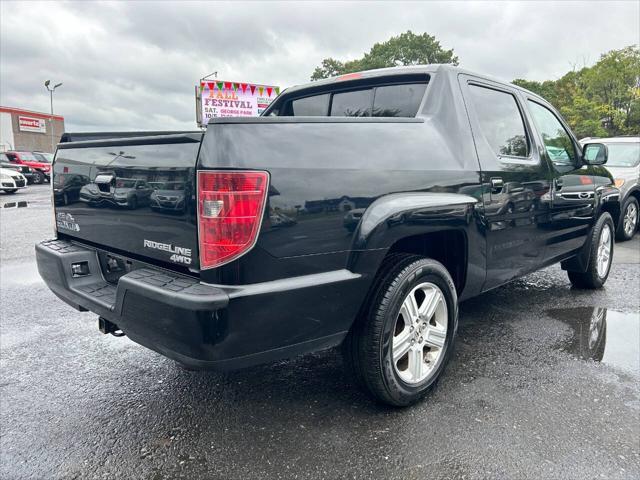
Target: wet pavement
x=544, y=383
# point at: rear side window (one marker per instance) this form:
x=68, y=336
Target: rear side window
x=316, y=106
x=394, y=100
x=500, y=121
x=356, y=103
x=398, y=100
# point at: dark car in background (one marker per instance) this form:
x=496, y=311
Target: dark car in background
x=67, y=186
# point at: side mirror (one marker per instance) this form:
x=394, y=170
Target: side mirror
x=595, y=153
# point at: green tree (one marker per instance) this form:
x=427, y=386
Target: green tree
x=404, y=49
x=615, y=82
x=597, y=101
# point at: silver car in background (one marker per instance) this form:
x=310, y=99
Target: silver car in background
x=624, y=165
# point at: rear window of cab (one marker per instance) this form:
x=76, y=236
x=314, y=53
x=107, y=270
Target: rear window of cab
x=386, y=99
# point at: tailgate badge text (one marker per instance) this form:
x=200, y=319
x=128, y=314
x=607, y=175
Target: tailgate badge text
x=179, y=254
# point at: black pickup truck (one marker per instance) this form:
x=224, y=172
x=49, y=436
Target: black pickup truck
x=357, y=211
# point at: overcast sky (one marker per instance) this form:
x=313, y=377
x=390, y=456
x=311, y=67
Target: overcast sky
x=133, y=66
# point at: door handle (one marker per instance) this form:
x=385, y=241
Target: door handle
x=497, y=184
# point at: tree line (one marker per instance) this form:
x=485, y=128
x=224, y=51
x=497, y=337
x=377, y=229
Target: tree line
x=602, y=100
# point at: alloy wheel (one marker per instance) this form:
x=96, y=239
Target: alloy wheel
x=630, y=220
x=420, y=333
x=604, y=250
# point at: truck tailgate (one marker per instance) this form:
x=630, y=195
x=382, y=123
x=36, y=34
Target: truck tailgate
x=131, y=195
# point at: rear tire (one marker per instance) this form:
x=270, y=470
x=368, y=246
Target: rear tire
x=600, y=256
x=392, y=377
x=11, y=190
x=39, y=177
x=628, y=223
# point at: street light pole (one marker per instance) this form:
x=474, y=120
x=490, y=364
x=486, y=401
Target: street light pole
x=51, y=90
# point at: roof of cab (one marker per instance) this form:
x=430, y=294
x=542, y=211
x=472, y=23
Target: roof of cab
x=402, y=70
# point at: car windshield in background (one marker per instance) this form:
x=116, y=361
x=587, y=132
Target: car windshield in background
x=30, y=157
x=401, y=100
x=623, y=154
x=41, y=157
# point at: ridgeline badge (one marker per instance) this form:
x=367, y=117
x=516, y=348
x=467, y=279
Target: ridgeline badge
x=179, y=254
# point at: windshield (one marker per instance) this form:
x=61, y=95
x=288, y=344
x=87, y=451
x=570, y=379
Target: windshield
x=623, y=154
x=29, y=157
x=48, y=157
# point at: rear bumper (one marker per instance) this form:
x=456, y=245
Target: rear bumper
x=219, y=327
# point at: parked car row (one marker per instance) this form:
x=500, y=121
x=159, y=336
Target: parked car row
x=34, y=166
x=19, y=169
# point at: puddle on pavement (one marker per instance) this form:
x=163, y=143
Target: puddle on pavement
x=603, y=335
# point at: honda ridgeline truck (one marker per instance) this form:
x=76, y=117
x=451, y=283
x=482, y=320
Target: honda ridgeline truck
x=357, y=211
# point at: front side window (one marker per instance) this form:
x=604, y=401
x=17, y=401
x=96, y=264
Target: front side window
x=500, y=121
x=557, y=140
x=356, y=103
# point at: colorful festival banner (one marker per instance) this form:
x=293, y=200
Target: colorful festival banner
x=233, y=99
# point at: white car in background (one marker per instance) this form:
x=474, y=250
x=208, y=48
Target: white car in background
x=11, y=181
x=624, y=165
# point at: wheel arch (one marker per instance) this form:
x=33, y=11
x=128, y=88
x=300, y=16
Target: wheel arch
x=433, y=225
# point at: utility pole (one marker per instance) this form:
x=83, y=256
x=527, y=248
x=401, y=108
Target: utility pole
x=51, y=90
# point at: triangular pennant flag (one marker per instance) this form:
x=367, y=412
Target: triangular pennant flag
x=201, y=87
x=210, y=85
x=261, y=90
x=269, y=90
x=220, y=86
x=244, y=87
x=227, y=85
x=277, y=90
x=252, y=88
x=236, y=86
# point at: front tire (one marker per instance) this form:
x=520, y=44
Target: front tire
x=401, y=343
x=600, y=256
x=628, y=223
x=11, y=190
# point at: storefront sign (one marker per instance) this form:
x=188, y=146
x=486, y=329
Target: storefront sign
x=30, y=124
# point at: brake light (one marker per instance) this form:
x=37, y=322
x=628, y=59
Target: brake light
x=230, y=209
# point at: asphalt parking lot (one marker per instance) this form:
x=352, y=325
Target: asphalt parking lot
x=544, y=383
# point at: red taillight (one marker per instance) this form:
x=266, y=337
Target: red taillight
x=230, y=208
